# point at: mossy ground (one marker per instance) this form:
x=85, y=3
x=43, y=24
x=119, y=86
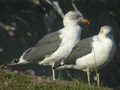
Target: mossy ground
x=19, y=81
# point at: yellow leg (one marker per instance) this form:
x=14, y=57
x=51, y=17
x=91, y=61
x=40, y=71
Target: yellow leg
x=98, y=79
x=88, y=77
x=53, y=72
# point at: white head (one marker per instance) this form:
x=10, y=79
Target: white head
x=73, y=18
x=105, y=31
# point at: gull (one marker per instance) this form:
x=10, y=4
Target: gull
x=91, y=53
x=57, y=45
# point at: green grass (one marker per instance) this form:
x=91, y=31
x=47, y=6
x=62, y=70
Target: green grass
x=19, y=81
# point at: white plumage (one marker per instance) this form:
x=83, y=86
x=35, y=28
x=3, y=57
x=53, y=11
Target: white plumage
x=102, y=51
x=70, y=36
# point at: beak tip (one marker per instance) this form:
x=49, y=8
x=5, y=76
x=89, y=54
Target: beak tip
x=85, y=21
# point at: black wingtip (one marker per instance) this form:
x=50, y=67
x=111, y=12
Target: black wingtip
x=14, y=61
x=56, y=66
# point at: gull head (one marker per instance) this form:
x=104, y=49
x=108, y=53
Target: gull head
x=106, y=31
x=73, y=18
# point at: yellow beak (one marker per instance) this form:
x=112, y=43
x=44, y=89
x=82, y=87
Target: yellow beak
x=85, y=21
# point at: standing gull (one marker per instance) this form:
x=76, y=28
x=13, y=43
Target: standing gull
x=91, y=53
x=57, y=45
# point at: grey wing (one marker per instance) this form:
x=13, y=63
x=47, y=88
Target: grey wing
x=49, y=38
x=83, y=48
x=44, y=47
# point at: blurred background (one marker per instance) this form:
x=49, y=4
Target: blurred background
x=24, y=22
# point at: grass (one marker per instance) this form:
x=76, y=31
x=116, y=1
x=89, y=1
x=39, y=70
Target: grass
x=19, y=81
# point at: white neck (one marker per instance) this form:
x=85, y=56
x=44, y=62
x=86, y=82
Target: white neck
x=67, y=22
x=101, y=36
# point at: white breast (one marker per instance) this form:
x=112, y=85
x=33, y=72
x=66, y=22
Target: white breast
x=100, y=54
x=70, y=37
x=102, y=51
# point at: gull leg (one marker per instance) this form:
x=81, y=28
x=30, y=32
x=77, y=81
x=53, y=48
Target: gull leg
x=53, y=72
x=88, y=77
x=98, y=79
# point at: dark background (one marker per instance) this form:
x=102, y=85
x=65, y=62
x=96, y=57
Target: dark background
x=28, y=21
